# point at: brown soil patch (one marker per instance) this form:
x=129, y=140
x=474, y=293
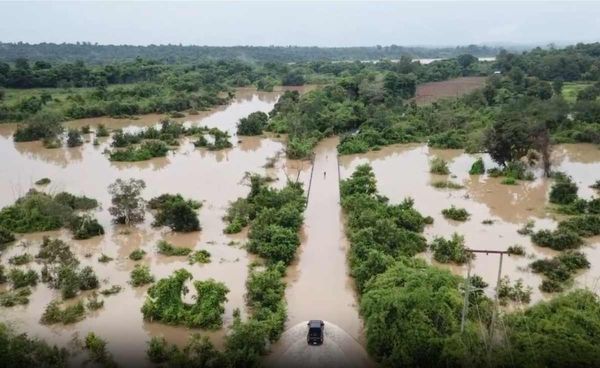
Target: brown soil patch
x=433, y=91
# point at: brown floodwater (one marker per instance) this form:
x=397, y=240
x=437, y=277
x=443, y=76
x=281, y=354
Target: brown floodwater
x=214, y=178
x=403, y=171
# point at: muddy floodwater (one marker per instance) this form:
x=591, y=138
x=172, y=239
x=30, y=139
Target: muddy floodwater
x=318, y=281
x=403, y=171
x=214, y=178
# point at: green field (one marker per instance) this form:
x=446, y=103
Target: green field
x=570, y=90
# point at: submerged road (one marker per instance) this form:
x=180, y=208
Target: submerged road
x=318, y=283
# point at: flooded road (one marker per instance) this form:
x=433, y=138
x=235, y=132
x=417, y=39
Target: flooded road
x=214, y=178
x=403, y=171
x=318, y=282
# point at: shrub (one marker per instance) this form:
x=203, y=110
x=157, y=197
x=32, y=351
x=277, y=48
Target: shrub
x=101, y=131
x=43, y=181
x=115, y=289
x=438, y=166
x=85, y=227
x=19, y=278
x=557, y=239
x=584, y=225
x=517, y=292
x=74, y=138
x=478, y=167
x=105, y=259
x=456, y=214
x=175, y=212
x=97, y=349
x=527, y=229
x=452, y=250
x=558, y=270
x=20, y=259
x=15, y=297
x=168, y=249
x=81, y=203
x=70, y=314
x=238, y=215
x=516, y=250
x=146, y=151
x=41, y=126
x=164, y=302
x=93, y=303
x=446, y=184
x=596, y=185
x=563, y=191
x=85, y=129
x=508, y=181
x=199, y=256
x=19, y=350
x=88, y=279
x=140, y=275
x=2, y=275
x=35, y=212
x=6, y=236
x=253, y=124
x=137, y=254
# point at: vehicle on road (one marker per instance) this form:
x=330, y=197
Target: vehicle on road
x=316, y=329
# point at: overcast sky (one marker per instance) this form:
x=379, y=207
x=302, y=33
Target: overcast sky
x=301, y=23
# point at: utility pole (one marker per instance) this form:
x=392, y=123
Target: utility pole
x=468, y=288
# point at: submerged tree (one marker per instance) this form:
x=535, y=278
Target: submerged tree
x=128, y=206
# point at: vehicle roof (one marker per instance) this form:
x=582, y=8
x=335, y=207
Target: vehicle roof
x=315, y=323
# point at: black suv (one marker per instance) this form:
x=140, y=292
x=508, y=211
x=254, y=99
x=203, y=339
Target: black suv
x=316, y=327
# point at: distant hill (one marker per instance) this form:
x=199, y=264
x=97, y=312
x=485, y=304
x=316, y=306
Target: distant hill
x=94, y=53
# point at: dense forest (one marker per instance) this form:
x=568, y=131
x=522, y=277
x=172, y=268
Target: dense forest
x=94, y=53
x=521, y=107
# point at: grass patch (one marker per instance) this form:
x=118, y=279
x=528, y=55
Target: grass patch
x=15, y=297
x=20, y=259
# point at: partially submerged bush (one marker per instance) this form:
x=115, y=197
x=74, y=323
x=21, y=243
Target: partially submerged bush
x=20, y=259
x=167, y=249
x=456, y=214
x=137, y=254
x=6, y=236
x=199, y=256
x=440, y=184
x=140, y=275
x=93, y=303
x=516, y=292
x=37, y=211
x=453, y=250
x=85, y=227
x=516, y=250
x=584, y=225
x=19, y=350
x=43, y=181
x=527, y=229
x=559, y=270
x=70, y=314
x=101, y=131
x=146, y=151
x=105, y=259
x=175, y=212
x=438, y=166
x=15, y=297
x=97, y=350
x=19, y=278
x=563, y=191
x=164, y=303
x=253, y=124
x=557, y=239
x=478, y=167
x=74, y=138
x=43, y=125
x=115, y=289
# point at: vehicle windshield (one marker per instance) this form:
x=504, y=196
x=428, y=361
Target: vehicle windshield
x=314, y=332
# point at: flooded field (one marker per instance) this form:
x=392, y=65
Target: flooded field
x=214, y=178
x=403, y=171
